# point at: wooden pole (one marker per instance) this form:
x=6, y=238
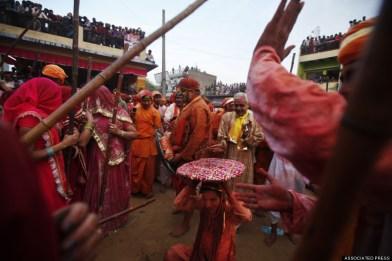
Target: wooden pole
x=75, y=69
x=129, y=210
x=365, y=131
x=108, y=151
x=105, y=75
x=75, y=56
x=163, y=78
x=89, y=69
x=292, y=63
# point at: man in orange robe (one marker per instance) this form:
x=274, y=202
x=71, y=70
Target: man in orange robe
x=190, y=138
x=143, y=148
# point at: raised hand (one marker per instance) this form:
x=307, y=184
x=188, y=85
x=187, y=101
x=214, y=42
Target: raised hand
x=279, y=28
x=272, y=197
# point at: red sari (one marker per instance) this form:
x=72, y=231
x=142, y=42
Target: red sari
x=29, y=105
x=118, y=189
x=26, y=226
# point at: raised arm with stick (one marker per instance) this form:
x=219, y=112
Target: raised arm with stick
x=106, y=74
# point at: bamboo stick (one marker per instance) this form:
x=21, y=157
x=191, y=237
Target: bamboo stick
x=106, y=74
x=129, y=210
x=89, y=69
x=75, y=61
x=75, y=68
x=358, y=146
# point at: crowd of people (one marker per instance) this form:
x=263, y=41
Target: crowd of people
x=283, y=130
x=321, y=43
x=325, y=43
x=24, y=13
x=225, y=89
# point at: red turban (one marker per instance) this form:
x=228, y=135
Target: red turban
x=188, y=83
x=354, y=41
x=144, y=93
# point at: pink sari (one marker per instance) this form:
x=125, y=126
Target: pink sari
x=118, y=190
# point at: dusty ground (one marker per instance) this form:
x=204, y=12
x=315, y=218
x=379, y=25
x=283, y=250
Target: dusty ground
x=146, y=236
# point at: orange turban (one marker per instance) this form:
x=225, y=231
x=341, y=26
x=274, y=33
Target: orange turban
x=188, y=83
x=54, y=71
x=354, y=41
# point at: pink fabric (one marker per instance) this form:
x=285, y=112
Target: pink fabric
x=296, y=220
x=118, y=190
x=211, y=169
x=299, y=119
x=300, y=122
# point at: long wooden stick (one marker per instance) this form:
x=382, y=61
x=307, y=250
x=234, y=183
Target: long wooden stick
x=367, y=126
x=105, y=75
x=75, y=68
x=108, y=151
x=89, y=69
x=129, y=210
x=75, y=60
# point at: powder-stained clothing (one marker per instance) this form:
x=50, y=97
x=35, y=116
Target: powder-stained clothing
x=243, y=151
x=299, y=119
x=194, y=121
x=144, y=150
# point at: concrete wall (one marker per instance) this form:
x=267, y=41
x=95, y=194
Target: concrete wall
x=204, y=79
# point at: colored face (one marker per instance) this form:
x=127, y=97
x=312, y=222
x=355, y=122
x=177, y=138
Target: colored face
x=146, y=102
x=179, y=101
x=240, y=107
x=157, y=99
x=348, y=73
x=188, y=94
x=230, y=107
x=211, y=200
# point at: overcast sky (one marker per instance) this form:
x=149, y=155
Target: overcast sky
x=219, y=37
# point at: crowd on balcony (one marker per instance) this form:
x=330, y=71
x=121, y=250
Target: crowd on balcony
x=22, y=13
x=320, y=43
x=325, y=43
x=225, y=89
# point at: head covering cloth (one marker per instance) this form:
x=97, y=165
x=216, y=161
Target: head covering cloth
x=354, y=41
x=189, y=84
x=40, y=96
x=54, y=71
